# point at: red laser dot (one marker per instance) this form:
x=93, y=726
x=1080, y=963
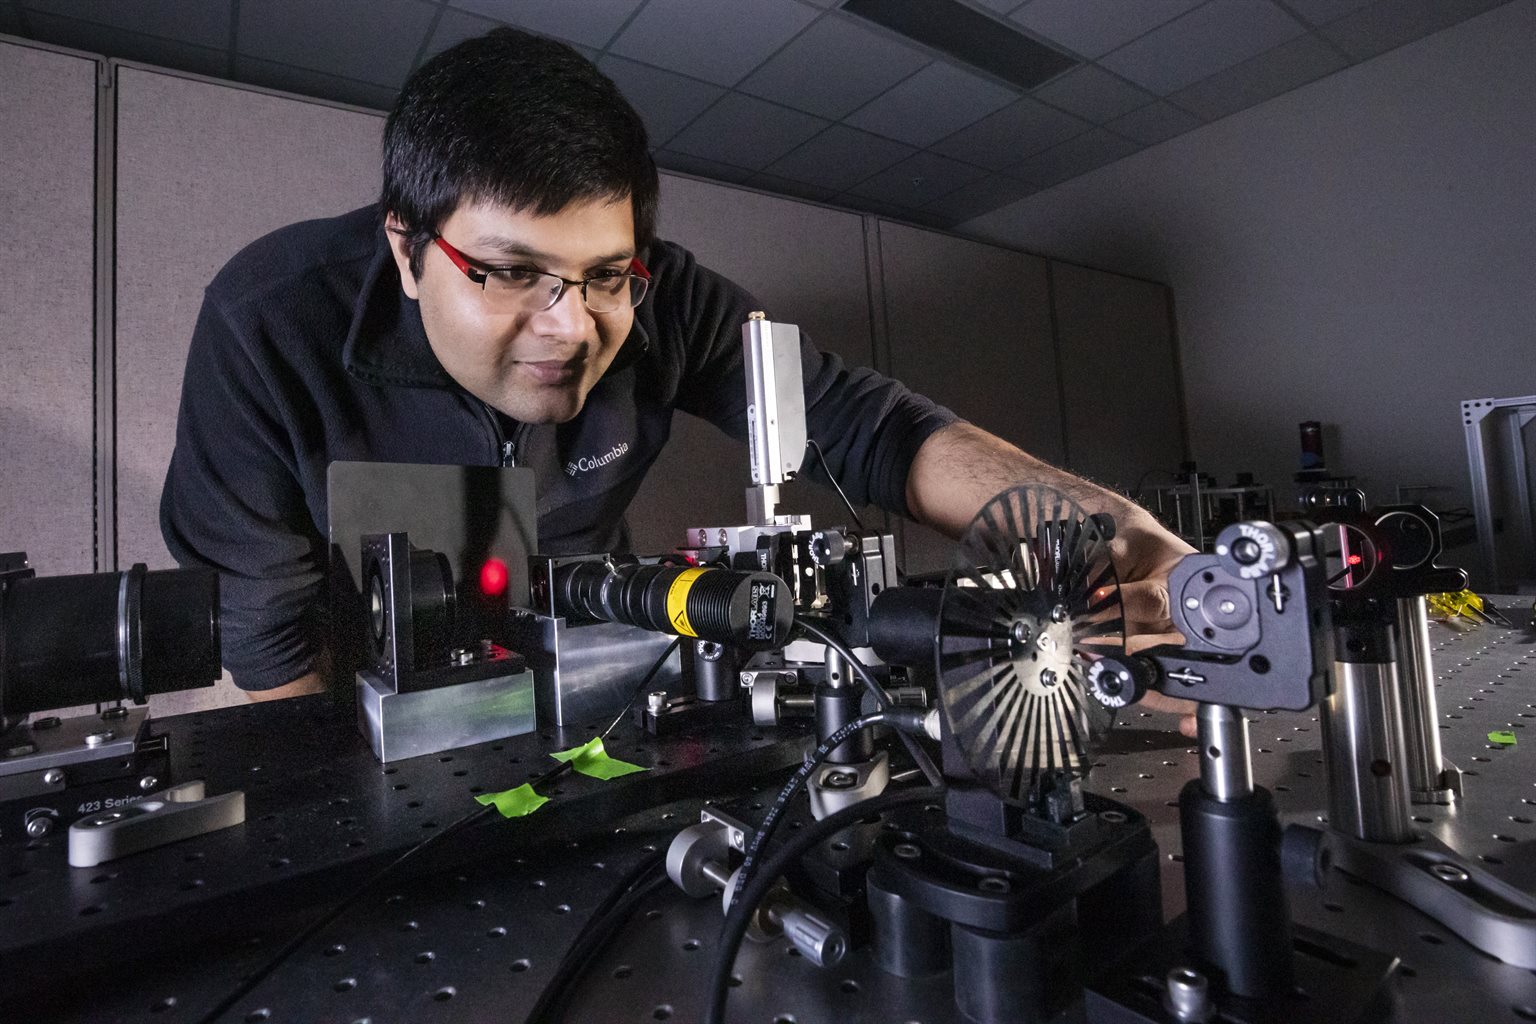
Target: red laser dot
x=1354, y=559
x=493, y=577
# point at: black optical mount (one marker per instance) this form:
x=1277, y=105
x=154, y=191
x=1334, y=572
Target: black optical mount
x=94, y=638
x=1257, y=622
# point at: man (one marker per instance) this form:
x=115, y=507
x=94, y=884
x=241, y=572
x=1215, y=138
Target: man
x=508, y=303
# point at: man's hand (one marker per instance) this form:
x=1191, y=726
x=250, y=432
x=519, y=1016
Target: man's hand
x=960, y=468
x=1144, y=554
x=302, y=686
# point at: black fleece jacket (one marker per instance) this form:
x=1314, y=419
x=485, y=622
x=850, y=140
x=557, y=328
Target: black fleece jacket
x=307, y=351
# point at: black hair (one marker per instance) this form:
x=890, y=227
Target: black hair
x=514, y=119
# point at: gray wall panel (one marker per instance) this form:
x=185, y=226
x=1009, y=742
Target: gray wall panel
x=202, y=170
x=1356, y=251
x=47, y=219
x=970, y=327
x=1118, y=374
x=805, y=264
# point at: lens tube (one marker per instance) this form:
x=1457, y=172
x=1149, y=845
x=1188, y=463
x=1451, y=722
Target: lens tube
x=750, y=610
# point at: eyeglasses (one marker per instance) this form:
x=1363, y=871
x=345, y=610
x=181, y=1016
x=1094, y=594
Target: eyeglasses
x=518, y=289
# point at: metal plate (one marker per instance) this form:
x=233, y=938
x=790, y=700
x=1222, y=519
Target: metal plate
x=496, y=929
x=322, y=816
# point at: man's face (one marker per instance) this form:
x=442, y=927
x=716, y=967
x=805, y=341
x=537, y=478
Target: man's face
x=534, y=366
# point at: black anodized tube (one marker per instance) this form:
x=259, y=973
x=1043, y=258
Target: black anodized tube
x=836, y=706
x=714, y=671
x=65, y=642
x=908, y=941
x=748, y=610
x=1239, y=918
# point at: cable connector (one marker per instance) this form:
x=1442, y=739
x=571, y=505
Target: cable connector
x=914, y=721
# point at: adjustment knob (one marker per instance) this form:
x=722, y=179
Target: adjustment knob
x=828, y=548
x=1116, y=682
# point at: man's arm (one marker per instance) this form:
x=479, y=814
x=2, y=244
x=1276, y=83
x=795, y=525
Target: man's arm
x=314, y=682
x=232, y=502
x=962, y=467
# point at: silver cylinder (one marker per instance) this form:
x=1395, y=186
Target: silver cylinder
x=1429, y=778
x=816, y=936
x=1226, y=767
x=839, y=674
x=1363, y=742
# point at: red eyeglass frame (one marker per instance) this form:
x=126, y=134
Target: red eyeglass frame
x=478, y=272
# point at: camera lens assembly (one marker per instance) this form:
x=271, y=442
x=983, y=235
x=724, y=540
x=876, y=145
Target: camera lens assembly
x=100, y=637
x=428, y=682
x=426, y=590
x=749, y=610
x=95, y=638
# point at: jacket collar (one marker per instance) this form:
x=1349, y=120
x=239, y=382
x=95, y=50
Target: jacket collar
x=387, y=344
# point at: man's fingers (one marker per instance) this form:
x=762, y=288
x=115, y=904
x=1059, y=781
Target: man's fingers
x=1145, y=601
x=1141, y=641
x=1185, y=709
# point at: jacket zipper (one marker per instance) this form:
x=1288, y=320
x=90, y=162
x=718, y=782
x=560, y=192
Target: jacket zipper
x=506, y=447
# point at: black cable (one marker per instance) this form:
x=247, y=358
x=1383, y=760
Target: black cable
x=478, y=814
x=811, y=443
x=603, y=925
x=736, y=921
x=764, y=831
x=919, y=755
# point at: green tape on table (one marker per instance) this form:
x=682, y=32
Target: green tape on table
x=592, y=760
x=1506, y=738
x=514, y=803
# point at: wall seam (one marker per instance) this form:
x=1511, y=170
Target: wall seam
x=104, y=326
x=1061, y=376
x=1178, y=373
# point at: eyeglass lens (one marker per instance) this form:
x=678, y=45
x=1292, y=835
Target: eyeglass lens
x=532, y=290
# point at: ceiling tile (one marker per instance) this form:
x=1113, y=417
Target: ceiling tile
x=306, y=82
x=1154, y=123
x=1093, y=93
x=123, y=45
x=1073, y=157
x=746, y=132
x=834, y=67
x=1391, y=23
x=687, y=163
x=1016, y=131
x=455, y=26
x=367, y=40
x=205, y=24
x=591, y=23
x=937, y=101
x=695, y=38
x=890, y=210
x=918, y=180
x=1094, y=27
x=666, y=102
x=840, y=158
x=1282, y=69
x=790, y=187
x=998, y=6
x=980, y=197
x=1321, y=12
x=1203, y=42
